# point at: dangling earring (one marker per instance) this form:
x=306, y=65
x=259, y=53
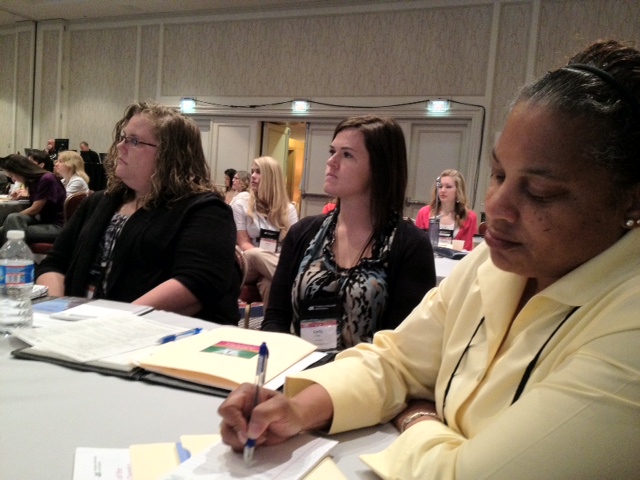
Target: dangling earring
x=638, y=222
x=631, y=222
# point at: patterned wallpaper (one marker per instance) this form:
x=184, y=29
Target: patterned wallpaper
x=568, y=26
x=434, y=51
x=7, y=54
x=430, y=50
x=100, y=85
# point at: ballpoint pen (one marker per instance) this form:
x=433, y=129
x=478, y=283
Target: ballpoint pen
x=259, y=382
x=176, y=336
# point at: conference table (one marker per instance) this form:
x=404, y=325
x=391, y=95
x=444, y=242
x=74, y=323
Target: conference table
x=47, y=411
x=10, y=206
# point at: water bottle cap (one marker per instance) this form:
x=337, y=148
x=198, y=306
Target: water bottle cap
x=15, y=235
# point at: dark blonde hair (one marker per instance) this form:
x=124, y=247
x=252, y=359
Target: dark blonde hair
x=461, y=208
x=181, y=168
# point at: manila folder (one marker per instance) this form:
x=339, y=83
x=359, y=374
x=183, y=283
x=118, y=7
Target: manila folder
x=227, y=356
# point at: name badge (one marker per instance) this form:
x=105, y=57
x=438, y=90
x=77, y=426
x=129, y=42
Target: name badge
x=319, y=319
x=446, y=237
x=269, y=240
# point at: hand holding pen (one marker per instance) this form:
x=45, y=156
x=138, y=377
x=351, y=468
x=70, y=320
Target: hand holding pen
x=276, y=416
x=261, y=371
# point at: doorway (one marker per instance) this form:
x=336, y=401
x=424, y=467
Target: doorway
x=285, y=142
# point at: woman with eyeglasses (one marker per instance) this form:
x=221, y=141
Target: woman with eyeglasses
x=147, y=239
x=241, y=181
x=524, y=362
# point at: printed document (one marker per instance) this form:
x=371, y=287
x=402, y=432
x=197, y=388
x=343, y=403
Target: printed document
x=97, y=338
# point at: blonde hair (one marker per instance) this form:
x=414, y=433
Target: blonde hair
x=271, y=198
x=74, y=161
x=461, y=207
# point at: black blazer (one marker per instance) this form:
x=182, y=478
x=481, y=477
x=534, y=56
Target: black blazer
x=192, y=240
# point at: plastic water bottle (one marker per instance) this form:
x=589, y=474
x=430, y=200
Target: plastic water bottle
x=434, y=231
x=16, y=283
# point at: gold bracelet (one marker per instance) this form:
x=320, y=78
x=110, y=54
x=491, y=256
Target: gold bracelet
x=415, y=416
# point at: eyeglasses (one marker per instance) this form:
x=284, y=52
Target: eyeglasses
x=133, y=141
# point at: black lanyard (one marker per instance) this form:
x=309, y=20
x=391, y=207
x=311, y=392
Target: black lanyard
x=527, y=372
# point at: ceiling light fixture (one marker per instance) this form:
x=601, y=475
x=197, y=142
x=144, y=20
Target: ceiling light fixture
x=438, y=106
x=300, y=106
x=187, y=105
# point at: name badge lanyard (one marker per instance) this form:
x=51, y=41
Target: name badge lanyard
x=527, y=373
x=350, y=271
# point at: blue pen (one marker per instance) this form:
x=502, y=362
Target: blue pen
x=261, y=370
x=183, y=453
x=176, y=336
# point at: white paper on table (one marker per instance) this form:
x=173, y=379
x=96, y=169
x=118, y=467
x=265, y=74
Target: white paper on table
x=290, y=460
x=97, y=338
x=310, y=359
x=102, y=464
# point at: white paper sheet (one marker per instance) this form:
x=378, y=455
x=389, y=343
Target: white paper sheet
x=97, y=338
x=102, y=464
x=290, y=460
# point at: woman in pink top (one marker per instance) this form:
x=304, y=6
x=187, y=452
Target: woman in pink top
x=452, y=209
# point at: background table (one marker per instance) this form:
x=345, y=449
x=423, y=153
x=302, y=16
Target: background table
x=11, y=206
x=46, y=411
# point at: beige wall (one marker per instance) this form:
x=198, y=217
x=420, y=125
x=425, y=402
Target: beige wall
x=78, y=77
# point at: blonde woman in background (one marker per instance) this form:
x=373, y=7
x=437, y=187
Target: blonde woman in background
x=449, y=204
x=70, y=167
x=263, y=219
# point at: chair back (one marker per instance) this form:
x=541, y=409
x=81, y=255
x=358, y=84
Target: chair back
x=72, y=203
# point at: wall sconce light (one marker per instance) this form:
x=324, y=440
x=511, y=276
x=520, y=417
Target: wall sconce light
x=187, y=105
x=300, y=106
x=438, y=106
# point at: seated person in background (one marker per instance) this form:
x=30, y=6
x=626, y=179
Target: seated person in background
x=146, y=239
x=70, y=167
x=51, y=151
x=263, y=219
x=41, y=159
x=449, y=204
x=42, y=219
x=240, y=184
x=524, y=362
x=229, y=192
x=363, y=259
x=88, y=155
